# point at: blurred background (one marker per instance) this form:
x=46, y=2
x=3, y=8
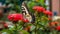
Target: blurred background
x=52, y=5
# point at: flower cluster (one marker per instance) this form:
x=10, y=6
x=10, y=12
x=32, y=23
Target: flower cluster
x=49, y=18
x=17, y=17
x=27, y=28
x=42, y=9
x=58, y=28
x=25, y=20
x=5, y=25
x=38, y=8
x=54, y=23
x=48, y=13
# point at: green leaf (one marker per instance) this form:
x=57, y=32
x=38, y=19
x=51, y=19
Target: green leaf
x=33, y=32
x=32, y=28
x=42, y=1
x=24, y=32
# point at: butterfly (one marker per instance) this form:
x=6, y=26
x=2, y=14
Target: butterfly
x=27, y=14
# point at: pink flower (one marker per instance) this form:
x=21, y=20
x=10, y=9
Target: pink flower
x=15, y=17
x=38, y=8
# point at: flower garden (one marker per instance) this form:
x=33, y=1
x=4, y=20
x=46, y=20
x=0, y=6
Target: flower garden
x=38, y=22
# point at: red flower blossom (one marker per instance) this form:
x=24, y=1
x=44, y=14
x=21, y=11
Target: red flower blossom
x=48, y=13
x=38, y=8
x=58, y=28
x=54, y=23
x=27, y=28
x=25, y=20
x=49, y=18
x=15, y=17
x=5, y=25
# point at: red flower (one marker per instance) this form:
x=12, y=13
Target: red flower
x=48, y=13
x=38, y=8
x=49, y=18
x=15, y=17
x=5, y=25
x=27, y=28
x=25, y=20
x=58, y=28
x=54, y=23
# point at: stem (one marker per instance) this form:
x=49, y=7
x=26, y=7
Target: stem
x=36, y=28
x=15, y=31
